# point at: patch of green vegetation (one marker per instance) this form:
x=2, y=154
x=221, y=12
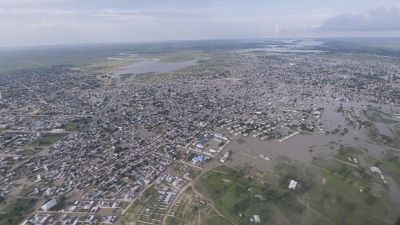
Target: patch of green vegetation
x=392, y=167
x=135, y=210
x=149, y=193
x=239, y=196
x=182, y=56
x=180, y=216
x=17, y=211
x=395, y=143
x=126, y=76
x=47, y=139
x=349, y=195
x=215, y=220
x=346, y=152
x=75, y=124
x=28, y=151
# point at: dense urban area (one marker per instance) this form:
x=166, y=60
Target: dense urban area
x=237, y=136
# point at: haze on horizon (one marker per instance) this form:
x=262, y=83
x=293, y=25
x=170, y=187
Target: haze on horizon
x=50, y=22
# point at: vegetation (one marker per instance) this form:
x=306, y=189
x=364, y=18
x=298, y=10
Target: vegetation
x=16, y=212
x=350, y=195
x=134, y=212
x=47, y=139
x=180, y=56
x=193, y=210
x=75, y=124
x=239, y=196
x=346, y=152
x=392, y=166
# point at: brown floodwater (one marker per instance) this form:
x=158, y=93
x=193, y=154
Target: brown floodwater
x=298, y=147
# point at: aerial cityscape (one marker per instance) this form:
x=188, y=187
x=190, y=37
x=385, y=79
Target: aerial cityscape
x=201, y=132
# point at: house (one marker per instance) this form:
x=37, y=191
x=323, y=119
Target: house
x=292, y=184
x=256, y=219
x=375, y=170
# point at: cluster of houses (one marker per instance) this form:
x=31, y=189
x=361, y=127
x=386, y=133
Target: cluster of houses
x=137, y=126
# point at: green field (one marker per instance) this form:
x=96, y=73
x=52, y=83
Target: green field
x=16, y=211
x=136, y=211
x=193, y=210
x=239, y=196
x=395, y=143
x=44, y=140
x=391, y=165
x=76, y=123
x=328, y=192
x=47, y=139
x=350, y=195
x=180, y=56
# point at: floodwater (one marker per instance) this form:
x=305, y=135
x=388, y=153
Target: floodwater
x=284, y=49
x=155, y=66
x=291, y=46
x=298, y=147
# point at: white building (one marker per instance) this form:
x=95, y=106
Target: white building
x=292, y=184
x=50, y=204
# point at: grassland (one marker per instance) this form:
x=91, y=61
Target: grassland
x=192, y=209
x=328, y=192
x=239, y=196
x=47, y=139
x=350, y=195
x=391, y=164
x=75, y=124
x=395, y=142
x=135, y=210
x=16, y=211
x=180, y=56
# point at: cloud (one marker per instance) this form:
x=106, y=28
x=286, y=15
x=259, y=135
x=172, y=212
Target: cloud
x=377, y=19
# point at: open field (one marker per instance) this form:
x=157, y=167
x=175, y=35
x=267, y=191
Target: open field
x=329, y=192
x=135, y=212
x=76, y=123
x=239, y=197
x=15, y=211
x=351, y=194
x=47, y=139
x=192, y=209
x=391, y=164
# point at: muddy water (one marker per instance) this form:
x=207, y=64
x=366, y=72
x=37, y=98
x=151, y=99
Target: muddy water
x=298, y=147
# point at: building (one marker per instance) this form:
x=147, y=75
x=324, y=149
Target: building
x=292, y=184
x=49, y=205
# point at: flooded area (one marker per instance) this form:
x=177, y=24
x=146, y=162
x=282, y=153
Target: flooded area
x=155, y=66
x=284, y=49
x=304, y=148
x=291, y=46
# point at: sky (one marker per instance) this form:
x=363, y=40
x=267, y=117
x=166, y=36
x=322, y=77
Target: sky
x=51, y=22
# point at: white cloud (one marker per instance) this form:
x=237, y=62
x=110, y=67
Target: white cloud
x=377, y=19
